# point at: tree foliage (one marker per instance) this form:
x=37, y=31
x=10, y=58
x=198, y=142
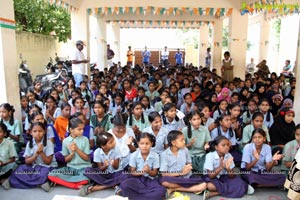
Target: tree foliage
x=38, y=16
x=276, y=29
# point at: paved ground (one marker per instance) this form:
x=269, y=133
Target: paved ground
x=39, y=194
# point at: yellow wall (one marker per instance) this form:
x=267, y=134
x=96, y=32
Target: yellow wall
x=37, y=49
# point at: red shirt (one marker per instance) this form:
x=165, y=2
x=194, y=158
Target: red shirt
x=130, y=95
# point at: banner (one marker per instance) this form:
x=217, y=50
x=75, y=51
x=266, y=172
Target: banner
x=217, y=12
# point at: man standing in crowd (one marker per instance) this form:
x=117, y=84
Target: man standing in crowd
x=178, y=57
x=165, y=56
x=129, y=56
x=146, y=56
x=78, y=64
x=110, y=56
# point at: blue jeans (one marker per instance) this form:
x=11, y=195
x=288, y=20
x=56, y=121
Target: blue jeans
x=78, y=78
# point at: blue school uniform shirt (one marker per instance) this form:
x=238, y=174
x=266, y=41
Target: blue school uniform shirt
x=183, y=108
x=83, y=144
x=15, y=129
x=169, y=163
x=48, y=150
x=113, y=154
x=161, y=139
x=214, y=134
x=137, y=161
x=212, y=161
x=216, y=114
x=265, y=157
x=174, y=125
x=268, y=124
x=147, y=111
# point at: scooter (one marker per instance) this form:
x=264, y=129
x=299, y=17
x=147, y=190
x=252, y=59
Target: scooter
x=49, y=80
x=25, y=78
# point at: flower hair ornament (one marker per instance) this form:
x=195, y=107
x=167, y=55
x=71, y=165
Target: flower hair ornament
x=282, y=113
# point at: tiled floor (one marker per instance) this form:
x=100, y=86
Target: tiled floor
x=39, y=194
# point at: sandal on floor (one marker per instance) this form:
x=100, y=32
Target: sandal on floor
x=206, y=195
x=85, y=190
x=198, y=193
x=168, y=193
x=118, y=191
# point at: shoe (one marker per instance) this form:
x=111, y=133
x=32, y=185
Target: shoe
x=250, y=190
x=46, y=186
x=206, y=195
x=6, y=184
x=118, y=191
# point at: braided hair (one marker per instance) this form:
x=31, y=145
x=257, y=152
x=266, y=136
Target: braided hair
x=43, y=126
x=165, y=109
x=132, y=107
x=218, y=122
x=10, y=109
x=189, y=117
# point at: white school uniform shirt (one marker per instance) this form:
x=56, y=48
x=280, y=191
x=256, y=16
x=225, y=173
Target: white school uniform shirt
x=169, y=163
x=297, y=157
x=212, y=161
x=122, y=145
x=264, y=157
x=56, y=114
x=209, y=122
x=268, y=124
x=161, y=138
x=38, y=103
x=214, y=134
x=113, y=154
x=48, y=150
x=137, y=161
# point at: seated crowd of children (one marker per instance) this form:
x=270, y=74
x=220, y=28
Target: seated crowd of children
x=149, y=131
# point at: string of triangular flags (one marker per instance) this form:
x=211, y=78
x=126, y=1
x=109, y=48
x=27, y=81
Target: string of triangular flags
x=159, y=23
x=64, y=5
x=270, y=6
x=217, y=12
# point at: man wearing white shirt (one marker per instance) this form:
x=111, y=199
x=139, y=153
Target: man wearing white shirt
x=78, y=64
x=165, y=56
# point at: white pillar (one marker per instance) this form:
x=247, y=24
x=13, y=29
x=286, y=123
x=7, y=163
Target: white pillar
x=203, y=43
x=101, y=44
x=265, y=28
x=9, y=86
x=116, y=42
x=297, y=90
x=238, y=28
x=79, y=31
x=217, y=45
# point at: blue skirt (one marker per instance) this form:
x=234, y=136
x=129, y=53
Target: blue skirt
x=183, y=182
x=141, y=187
x=264, y=178
x=28, y=176
x=102, y=178
x=229, y=187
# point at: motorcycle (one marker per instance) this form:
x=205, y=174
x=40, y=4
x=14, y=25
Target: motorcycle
x=25, y=78
x=49, y=80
